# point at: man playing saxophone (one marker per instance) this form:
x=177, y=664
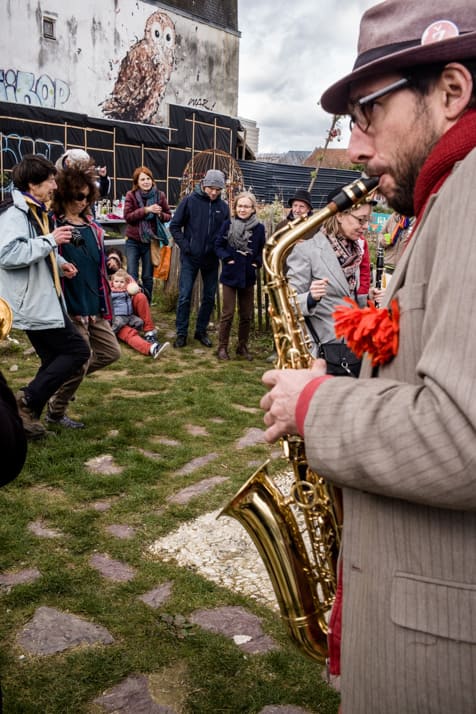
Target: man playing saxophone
x=401, y=440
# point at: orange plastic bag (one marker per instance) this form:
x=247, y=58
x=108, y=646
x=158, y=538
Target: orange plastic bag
x=161, y=271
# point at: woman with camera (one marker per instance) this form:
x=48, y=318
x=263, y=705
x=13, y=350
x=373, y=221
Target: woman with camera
x=87, y=294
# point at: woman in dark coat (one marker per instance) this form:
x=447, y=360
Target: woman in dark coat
x=239, y=246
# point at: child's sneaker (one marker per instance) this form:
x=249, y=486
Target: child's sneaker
x=151, y=336
x=157, y=348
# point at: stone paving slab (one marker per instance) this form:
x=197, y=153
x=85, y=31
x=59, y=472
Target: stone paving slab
x=241, y=626
x=40, y=529
x=121, y=531
x=195, y=464
x=131, y=696
x=163, y=692
x=101, y=506
x=104, y=465
x=196, y=489
x=150, y=454
x=165, y=441
x=196, y=430
x=251, y=437
x=111, y=569
x=158, y=596
x=19, y=577
x=51, y=631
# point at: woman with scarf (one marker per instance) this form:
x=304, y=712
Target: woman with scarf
x=145, y=210
x=239, y=246
x=325, y=270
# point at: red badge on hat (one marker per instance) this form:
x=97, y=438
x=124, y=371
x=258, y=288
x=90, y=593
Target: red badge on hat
x=438, y=31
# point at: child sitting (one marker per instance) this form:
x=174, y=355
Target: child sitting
x=140, y=304
x=125, y=322
x=122, y=302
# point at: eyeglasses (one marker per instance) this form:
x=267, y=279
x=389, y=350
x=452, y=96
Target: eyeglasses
x=362, y=220
x=362, y=109
x=81, y=197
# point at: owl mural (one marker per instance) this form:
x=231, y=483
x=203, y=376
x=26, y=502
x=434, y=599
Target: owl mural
x=144, y=73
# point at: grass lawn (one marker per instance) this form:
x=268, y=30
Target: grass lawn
x=153, y=418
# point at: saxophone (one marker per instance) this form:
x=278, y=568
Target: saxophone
x=6, y=319
x=298, y=535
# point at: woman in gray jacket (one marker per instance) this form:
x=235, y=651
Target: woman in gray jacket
x=30, y=271
x=325, y=270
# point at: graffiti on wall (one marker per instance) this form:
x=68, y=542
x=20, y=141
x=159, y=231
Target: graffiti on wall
x=202, y=103
x=26, y=88
x=14, y=147
x=144, y=73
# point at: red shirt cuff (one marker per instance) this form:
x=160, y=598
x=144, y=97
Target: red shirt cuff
x=304, y=400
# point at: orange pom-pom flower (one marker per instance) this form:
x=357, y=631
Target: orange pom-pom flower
x=369, y=329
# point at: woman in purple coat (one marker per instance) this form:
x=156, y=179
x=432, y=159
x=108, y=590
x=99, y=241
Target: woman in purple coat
x=145, y=210
x=239, y=246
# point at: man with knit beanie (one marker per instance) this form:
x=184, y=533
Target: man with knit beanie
x=195, y=226
x=400, y=441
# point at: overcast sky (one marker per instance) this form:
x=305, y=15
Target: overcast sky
x=290, y=52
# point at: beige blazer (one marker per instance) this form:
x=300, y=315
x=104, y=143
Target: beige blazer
x=403, y=447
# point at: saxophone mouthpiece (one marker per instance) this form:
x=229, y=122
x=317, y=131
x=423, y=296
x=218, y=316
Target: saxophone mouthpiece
x=355, y=192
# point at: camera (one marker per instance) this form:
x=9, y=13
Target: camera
x=76, y=238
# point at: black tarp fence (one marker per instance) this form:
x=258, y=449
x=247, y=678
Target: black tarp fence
x=121, y=146
x=278, y=182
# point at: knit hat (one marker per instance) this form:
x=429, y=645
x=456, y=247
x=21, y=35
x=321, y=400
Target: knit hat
x=214, y=179
x=401, y=34
x=301, y=195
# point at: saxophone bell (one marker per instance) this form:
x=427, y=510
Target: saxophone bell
x=6, y=319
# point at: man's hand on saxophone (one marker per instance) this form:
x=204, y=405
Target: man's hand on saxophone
x=280, y=402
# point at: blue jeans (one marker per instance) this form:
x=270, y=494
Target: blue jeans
x=188, y=275
x=135, y=252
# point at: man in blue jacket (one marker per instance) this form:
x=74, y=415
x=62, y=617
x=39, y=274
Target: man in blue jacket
x=195, y=226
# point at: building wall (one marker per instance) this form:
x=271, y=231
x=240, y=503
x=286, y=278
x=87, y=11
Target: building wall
x=220, y=13
x=120, y=59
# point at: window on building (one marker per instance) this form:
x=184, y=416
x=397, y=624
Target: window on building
x=49, y=28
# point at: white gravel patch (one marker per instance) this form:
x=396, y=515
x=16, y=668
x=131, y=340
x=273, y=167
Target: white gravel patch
x=220, y=550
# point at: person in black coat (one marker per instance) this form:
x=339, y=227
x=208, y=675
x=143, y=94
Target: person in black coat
x=240, y=247
x=12, y=435
x=12, y=442
x=195, y=227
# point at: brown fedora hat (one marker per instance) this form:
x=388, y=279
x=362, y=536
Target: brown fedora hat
x=398, y=34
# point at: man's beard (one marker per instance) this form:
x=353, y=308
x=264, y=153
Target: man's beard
x=410, y=161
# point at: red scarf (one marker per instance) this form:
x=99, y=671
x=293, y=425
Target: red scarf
x=454, y=145
x=376, y=331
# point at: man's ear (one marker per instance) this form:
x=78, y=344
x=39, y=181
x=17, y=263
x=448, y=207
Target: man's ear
x=456, y=83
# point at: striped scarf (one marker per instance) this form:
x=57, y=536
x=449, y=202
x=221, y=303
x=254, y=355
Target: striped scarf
x=349, y=254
